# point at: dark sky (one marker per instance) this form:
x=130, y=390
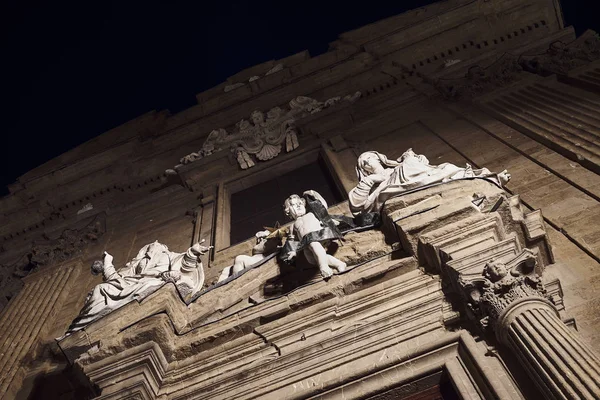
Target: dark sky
x=75, y=69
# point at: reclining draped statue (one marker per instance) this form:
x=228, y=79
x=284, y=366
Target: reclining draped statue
x=380, y=178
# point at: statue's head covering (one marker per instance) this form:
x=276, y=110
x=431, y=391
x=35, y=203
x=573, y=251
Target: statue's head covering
x=361, y=172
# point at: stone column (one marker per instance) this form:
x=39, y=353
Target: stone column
x=562, y=366
x=511, y=301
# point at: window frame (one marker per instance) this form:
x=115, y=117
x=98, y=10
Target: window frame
x=227, y=188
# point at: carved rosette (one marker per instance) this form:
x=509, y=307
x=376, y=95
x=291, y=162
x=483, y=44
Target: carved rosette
x=263, y=138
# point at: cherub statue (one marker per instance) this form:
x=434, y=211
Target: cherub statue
x=266, y=244
x=153, y=266
x=380, y=178
x=312, y=231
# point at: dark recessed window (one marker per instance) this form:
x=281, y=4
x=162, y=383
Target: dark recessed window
x=261, y=205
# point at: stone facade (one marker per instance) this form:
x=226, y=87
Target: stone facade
x=465, y=287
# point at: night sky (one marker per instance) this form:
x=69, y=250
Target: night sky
x=73, y=70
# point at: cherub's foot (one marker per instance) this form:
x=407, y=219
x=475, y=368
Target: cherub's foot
x=504, y=177
x=326, y=271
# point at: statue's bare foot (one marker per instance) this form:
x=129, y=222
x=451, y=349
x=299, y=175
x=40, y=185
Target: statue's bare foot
x=504, y=177
x=326, y=271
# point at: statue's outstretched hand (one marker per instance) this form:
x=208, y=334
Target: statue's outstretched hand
x=289, y=257
x=199, y=249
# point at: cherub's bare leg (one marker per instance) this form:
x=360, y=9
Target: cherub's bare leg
x=321, y=257
x=335, y=263
x=243, y=261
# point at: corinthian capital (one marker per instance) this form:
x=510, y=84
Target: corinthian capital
x=501, y=286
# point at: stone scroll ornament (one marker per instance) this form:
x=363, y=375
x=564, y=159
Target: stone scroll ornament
x=263, y=137
x=501, y=285
x=153, y=267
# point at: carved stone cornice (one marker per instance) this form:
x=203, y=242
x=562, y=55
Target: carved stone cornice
x=263, y=138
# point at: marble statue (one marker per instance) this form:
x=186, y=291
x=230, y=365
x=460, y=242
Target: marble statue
x=312, y=231
x=153, y=266
x=266, y=244
x=380, y=178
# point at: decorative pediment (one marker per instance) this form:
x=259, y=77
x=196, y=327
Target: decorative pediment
x=263, y=137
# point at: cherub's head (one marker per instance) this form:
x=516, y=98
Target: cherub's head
x=495, y=271
x=257, y=117
x=294, y=206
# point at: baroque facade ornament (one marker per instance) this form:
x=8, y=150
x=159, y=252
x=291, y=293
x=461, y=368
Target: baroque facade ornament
x=263, y=137
x=69, y=244
x=560, y=58
x=501, y=286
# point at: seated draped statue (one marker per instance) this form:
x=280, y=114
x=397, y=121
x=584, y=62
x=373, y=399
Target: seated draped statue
x=153, y=266
x=380, y=178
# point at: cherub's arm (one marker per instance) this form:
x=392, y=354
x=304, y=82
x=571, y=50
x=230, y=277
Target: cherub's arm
x=290, y=255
